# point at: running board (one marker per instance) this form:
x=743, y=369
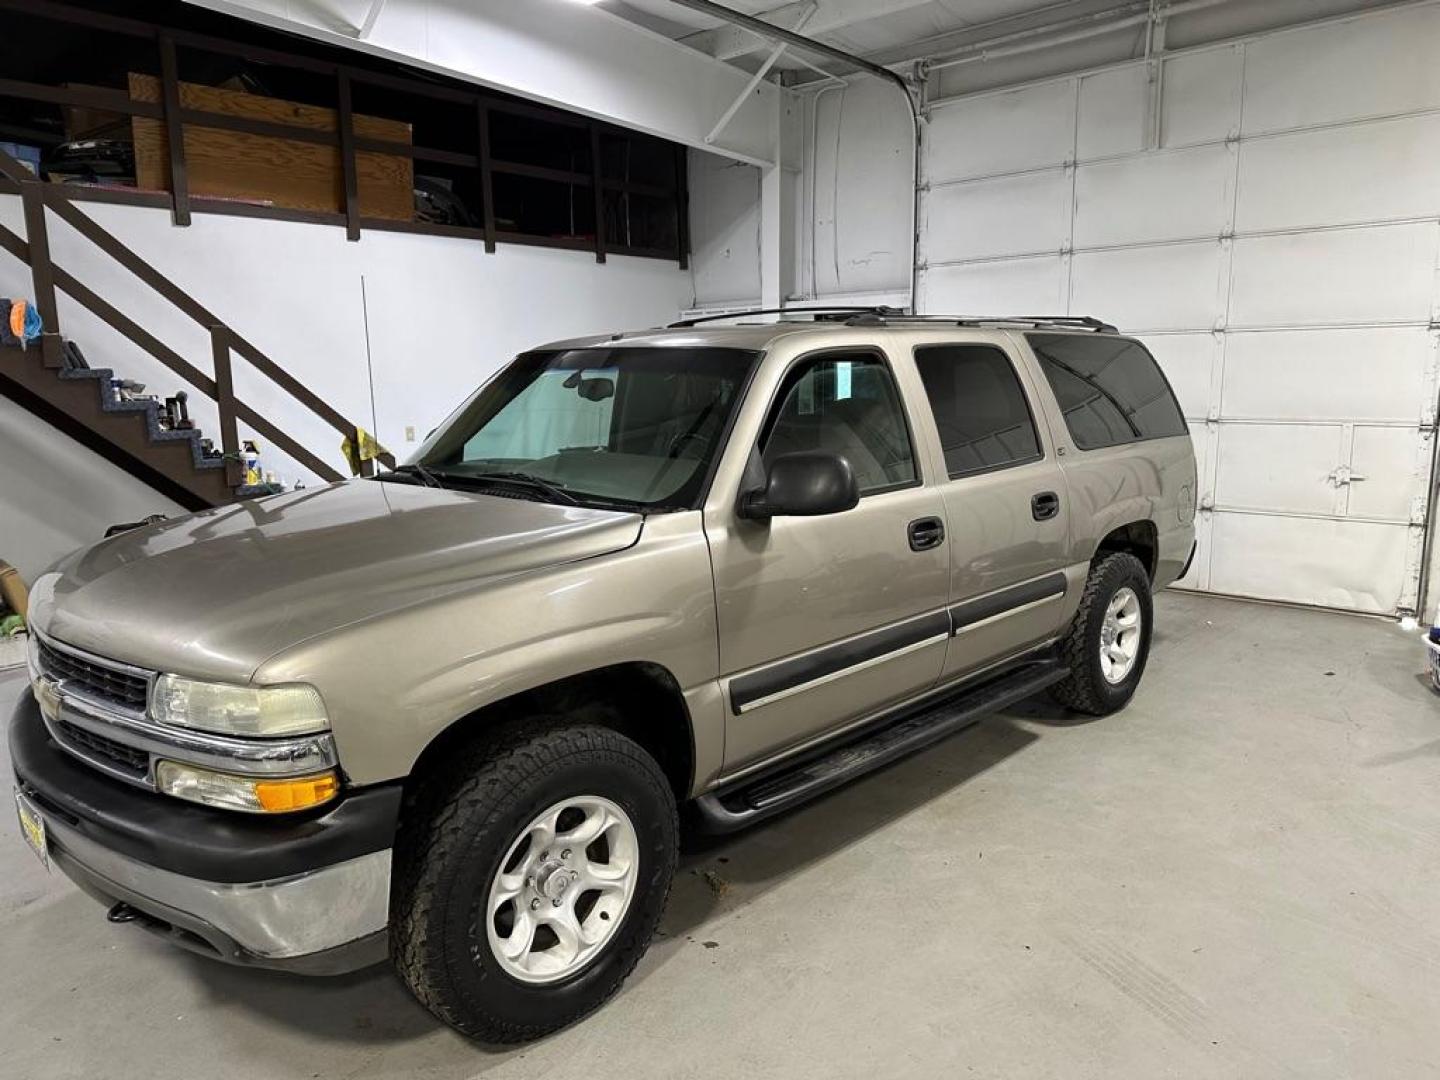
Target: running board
x=754, y=798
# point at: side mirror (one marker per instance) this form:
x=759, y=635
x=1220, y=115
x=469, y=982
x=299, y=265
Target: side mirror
x=803, y=485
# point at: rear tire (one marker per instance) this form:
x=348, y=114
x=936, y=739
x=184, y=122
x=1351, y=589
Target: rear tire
x=1104, y=651
x=471, y=828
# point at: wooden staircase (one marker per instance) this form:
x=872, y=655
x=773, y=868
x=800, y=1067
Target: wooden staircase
x=82, y=402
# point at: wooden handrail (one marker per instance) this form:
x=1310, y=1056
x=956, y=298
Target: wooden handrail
x=225, y=399
x=36, y=195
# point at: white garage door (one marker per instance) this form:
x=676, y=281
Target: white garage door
x=1277, y=250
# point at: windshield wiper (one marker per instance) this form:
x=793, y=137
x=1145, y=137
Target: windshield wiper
x=521, y=479
x=419, y=472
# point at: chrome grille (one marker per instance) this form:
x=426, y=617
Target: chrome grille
x=89, y=745
x=98, y=680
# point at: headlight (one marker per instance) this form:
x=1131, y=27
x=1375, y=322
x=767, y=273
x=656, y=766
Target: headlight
x=238, y=710
x=256, y=795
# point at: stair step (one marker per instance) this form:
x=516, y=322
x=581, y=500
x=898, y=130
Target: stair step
x=111, y=402
x=255, y=491
x=888, y=739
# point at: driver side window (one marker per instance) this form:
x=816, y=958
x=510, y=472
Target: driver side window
x=848, y=404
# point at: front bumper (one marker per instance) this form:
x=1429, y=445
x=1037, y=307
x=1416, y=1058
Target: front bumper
x=308, y=892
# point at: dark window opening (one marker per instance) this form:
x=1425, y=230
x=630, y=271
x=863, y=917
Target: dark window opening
x=638, y=159
x=1109, y=388
x=979, y=407
x=527, y=141
x=448, y=195
x=544, y=208
x=641, y=222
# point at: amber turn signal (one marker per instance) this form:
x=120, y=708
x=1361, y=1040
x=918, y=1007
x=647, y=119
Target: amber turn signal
x=278, y=796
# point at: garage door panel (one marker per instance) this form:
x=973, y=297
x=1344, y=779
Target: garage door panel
x=1112, y=112
x=1312, y=374
x=1170, y=287
x=1176, y=195
x=1021, y=129
x=1376, y=66
x=1374, y=172
x=1005, y=286
x=1356, y=565
x=1015, y=215
x=1277, y=467
x=1202, y=438
x=1393, y=463
x=1367, y=275
x=1188, y=361
x=1202, y=97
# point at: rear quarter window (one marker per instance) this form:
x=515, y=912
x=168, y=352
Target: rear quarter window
x=1110, y=390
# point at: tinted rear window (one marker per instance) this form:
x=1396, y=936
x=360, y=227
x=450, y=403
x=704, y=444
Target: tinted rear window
x=979, y=407
x=1110, y=389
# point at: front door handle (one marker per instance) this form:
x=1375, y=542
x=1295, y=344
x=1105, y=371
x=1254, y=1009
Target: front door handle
x=926, y=533
x=1045, y=506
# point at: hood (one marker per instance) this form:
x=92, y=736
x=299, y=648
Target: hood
x=214, y=594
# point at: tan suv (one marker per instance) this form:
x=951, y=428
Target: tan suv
x=449, y=713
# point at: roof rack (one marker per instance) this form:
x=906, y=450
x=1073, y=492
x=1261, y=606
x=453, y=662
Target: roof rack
x=1083, y=322
x=838, y=314
x=880, y=315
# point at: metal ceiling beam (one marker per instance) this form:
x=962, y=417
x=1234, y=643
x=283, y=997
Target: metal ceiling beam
x=731, y=42
x=371, y=17
x=755, y=79
x=799, y=41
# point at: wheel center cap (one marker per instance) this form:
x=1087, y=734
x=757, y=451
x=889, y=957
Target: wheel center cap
x=1108, y=634
x=552, y=880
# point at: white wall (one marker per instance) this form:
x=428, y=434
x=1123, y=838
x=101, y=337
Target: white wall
x=724, y=231
x=442, y=315
x=848, y=199
x=858, y=187
x=55, y=495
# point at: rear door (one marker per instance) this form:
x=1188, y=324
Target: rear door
x=826, y=619
x=1006, y=506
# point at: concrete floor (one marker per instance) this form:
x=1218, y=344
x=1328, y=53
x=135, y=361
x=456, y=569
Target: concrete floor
x=1235, y=877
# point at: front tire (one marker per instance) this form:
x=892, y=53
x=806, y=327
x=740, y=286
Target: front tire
x=1109, y=639
x=530, y=877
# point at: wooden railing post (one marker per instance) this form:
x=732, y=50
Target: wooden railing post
x=345, y=122
x=682, y=205
x=225, y=398
x=42, y=272
x=367, y=465
x=487, y=176
x=596, y=180
x=174, y=129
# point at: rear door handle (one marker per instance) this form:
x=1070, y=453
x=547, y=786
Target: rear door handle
x=1045, y=506
x=926, y=533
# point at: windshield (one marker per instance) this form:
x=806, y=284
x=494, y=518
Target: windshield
x=636, y=427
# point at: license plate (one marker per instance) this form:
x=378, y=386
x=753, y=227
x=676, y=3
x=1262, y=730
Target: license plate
x=32, y=828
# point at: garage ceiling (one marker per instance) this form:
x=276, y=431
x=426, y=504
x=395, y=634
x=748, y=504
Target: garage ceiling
x=1053, y=36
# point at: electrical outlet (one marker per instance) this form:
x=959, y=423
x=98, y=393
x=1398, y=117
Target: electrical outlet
x=409, y=433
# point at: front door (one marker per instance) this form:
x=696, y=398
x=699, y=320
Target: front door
x=1006, y=506
x=825, y=619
